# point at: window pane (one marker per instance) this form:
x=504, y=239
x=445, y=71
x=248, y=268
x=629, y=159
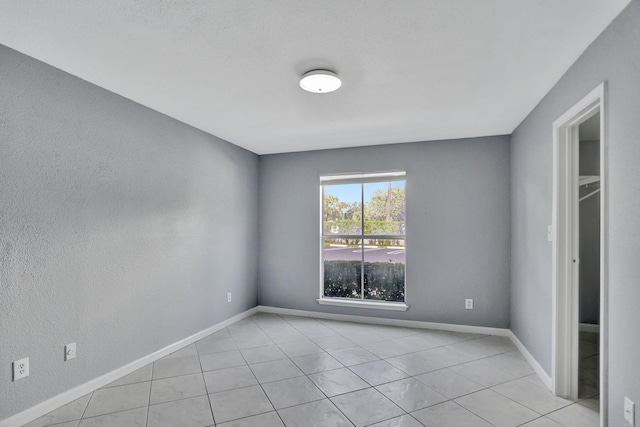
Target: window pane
x=342, y=210
x=384, y=269
x=384, y=207
x=342, y=268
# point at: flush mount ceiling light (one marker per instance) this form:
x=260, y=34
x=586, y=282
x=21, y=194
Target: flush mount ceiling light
x=320, y=81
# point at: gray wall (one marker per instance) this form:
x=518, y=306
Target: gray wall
x=613, y=57
x=120, y=229
x=589, y=236
x=458, y=220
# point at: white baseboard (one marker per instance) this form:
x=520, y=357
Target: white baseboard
x=385, y=321
x=544, y=377
x=69, y=396
x=589, y=327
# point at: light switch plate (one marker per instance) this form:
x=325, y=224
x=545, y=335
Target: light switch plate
x=70, y=351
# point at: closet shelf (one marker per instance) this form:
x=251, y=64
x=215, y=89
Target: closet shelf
x=588, y=179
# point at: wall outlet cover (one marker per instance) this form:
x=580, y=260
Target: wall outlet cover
x=20, y=368
x=468, y=304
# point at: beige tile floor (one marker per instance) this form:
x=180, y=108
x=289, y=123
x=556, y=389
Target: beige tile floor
x=270, y=370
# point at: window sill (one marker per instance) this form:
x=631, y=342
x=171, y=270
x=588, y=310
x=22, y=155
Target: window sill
x=343, y=302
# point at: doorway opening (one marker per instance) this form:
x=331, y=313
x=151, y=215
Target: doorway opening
x=589, y=259
x=580, y=252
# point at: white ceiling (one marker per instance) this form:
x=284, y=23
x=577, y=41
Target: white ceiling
x=412, y=70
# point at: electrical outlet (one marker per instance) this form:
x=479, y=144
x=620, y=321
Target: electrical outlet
x=468, y=304
x=629, y=411
x=228, y=296
x=70, y=351
x=20, y=368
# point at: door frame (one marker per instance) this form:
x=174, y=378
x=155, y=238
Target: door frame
x=565, y=255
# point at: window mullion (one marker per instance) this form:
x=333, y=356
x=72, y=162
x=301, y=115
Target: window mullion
x=362, y=241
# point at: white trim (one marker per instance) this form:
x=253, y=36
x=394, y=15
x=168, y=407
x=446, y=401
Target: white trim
x=69, y=396
x=544, y=377
x=604, y=258
x=361, y=179
x=564, y=265
x=62, y=399
x=565, y=260
x=376, y=305
x=589, y=327
x=575, y=251
x=384, y=321
x=358, y=177
x=321, y=244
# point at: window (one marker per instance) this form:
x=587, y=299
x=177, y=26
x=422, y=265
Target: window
x=363, y=237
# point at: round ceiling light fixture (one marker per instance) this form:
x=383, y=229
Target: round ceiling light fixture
x=320, y=81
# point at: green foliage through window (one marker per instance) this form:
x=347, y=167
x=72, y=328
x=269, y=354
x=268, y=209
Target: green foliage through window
x=382, y=280
x=364, y=258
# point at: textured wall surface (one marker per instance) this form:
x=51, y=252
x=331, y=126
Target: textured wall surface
x=120, y=229
x=614, y=57
x=458, y=216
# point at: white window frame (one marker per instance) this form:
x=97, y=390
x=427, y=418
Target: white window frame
x=359, y=178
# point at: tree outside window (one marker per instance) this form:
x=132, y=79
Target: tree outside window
x=363, y=236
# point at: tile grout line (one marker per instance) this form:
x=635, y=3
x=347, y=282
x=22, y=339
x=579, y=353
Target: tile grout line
x=413, y=376
x=206, y=389
x=515, y=377
x=260, y=384
x=84, y=411
x=370, y=387
x=153, y=365
x=309, y=379
x=246, y=328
